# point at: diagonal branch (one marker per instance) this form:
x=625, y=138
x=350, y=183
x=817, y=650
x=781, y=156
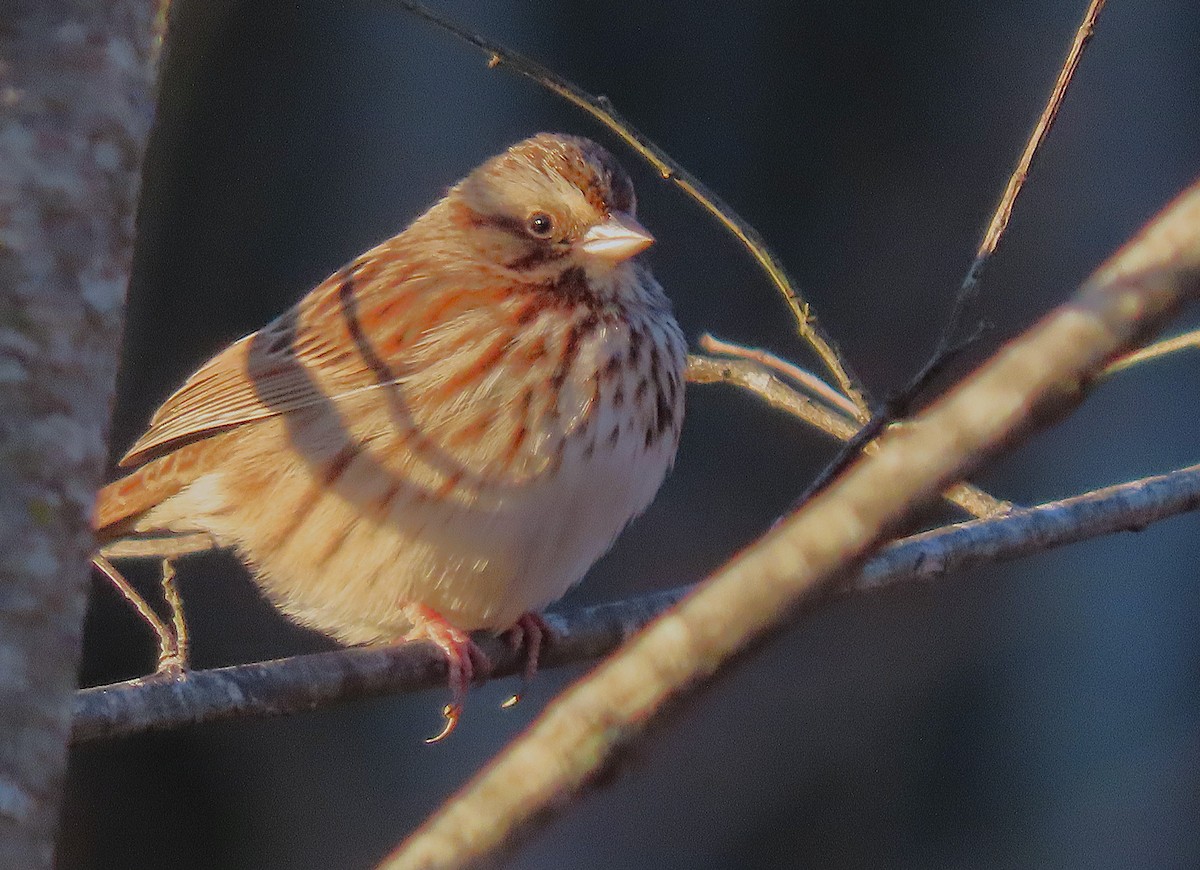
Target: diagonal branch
x=953, y=341
x=320, y=680
x=602, y=109
x=1189, y=340
x=755, y=378
x=1028, y=384
x=1016, y=181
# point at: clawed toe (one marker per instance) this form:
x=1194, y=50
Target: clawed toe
x=464, y=659
x=532, y=633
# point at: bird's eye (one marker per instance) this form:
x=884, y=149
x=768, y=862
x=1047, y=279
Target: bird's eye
x=540, y=225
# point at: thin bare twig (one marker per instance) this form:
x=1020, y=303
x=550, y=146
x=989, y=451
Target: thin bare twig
x=756, y=379
x=952, y=342
x=803, y=378
x=602, y=109
x=313, y=681
x=1030, y=383
x=1003, y=213
x=1154, y=351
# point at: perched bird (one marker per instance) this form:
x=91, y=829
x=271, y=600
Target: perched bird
x=445, y=434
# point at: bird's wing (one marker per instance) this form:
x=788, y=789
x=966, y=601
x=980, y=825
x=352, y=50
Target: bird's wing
x=315, y=352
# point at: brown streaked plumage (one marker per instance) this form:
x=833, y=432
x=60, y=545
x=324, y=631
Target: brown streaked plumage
x=446, y=433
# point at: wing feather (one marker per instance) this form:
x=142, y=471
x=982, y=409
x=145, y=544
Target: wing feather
x=313, y=353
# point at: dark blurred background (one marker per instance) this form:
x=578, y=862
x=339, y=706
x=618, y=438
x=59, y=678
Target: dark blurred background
x=1045, y=713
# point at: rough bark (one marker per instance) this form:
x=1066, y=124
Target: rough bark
x=75, y=108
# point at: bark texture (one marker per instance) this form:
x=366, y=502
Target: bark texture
x=75, y=109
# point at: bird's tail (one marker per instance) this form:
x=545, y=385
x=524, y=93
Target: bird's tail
x=120, y=504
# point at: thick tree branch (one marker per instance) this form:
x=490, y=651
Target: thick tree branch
x=1031, y=382
x=313, y=681
x=75, y=106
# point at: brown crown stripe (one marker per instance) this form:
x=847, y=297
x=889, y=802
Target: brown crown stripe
x=580, y=163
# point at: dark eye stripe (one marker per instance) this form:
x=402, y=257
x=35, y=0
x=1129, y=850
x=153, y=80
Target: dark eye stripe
x=501, y=222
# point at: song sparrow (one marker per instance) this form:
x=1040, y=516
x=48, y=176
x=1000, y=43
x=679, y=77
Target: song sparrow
x=446, y=433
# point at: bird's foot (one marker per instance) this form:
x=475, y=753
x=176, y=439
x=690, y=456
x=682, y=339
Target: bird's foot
x=172, y=639
x=464, y=659
x=532, y=632
x=173, y=660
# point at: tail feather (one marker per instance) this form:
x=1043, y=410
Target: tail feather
x=120, y=504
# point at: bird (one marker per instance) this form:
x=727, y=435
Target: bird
x=446, y=433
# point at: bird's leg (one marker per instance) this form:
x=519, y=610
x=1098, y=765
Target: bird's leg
x=532, y=632
x=168, y=643
x=176, y=662
x=463, y=658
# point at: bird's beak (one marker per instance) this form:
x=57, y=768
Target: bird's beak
x=617, y=239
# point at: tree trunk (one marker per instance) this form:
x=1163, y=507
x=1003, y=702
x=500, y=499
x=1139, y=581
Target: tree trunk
x=75, y=108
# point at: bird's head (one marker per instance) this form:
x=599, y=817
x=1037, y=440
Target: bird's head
x=548, y=204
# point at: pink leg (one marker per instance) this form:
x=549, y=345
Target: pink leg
x=532, y=632
x=463, y=658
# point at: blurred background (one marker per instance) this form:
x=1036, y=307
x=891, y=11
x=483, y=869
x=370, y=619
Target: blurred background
x=1044, y=713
